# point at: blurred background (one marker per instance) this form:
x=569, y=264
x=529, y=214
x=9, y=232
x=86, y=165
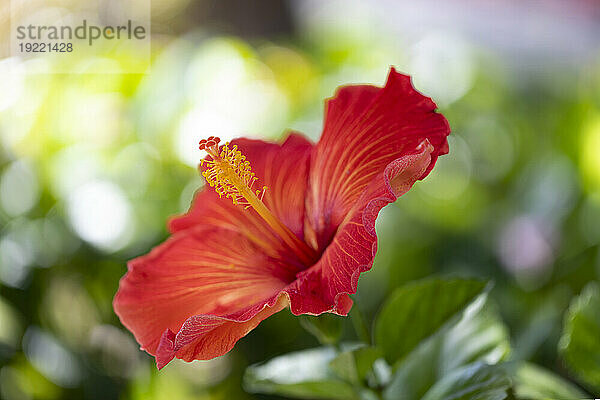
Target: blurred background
x=92, y=165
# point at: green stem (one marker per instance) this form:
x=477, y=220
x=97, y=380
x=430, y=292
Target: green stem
x=360, y=326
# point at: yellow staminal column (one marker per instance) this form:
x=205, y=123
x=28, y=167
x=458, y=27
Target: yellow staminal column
x=230, y=174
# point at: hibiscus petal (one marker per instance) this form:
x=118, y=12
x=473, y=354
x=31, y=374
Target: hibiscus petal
x=203, y=337
x=325, y=286
x=209, y=285
x=283, y=168
x=365, y=129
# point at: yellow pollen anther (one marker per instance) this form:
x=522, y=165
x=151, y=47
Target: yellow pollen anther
x=230, y=174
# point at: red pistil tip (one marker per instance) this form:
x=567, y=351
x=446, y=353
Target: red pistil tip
x=207, y=144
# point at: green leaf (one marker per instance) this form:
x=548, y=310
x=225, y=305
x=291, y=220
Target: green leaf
x=536, y=383
x=479, y=336
x=474, y=382
x=580, y=342
x=417, y=310
x=327, y=328
x=416, y=374
x=354, y=366
x=302, y=375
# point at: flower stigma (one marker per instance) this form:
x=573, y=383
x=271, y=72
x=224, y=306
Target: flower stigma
x=230, y=174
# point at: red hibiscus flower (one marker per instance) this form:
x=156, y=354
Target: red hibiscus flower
x=244, y=252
